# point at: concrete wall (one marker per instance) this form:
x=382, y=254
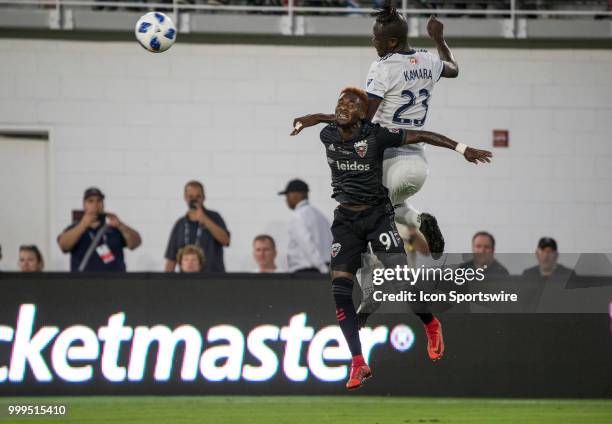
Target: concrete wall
x=139, y=125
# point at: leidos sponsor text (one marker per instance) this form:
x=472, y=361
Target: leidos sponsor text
x=77, y=350
x=352, y=166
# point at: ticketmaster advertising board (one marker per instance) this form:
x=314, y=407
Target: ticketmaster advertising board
x=252, y=334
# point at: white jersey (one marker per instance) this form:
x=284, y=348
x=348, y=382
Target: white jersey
x=404, y=81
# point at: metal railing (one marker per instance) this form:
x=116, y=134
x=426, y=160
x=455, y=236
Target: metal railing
x=291, y=10
x=179, y=6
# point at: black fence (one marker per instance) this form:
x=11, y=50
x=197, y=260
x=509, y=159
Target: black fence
x=64, y=334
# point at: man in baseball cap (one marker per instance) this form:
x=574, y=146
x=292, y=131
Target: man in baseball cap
x=310, y=237
x=295, y=186
x=296, y=191
x=96, y=241
x=548, y=267
x=93, y=191
x=547, y=242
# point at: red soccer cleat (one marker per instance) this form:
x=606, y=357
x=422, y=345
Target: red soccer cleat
x=359, y=374
x=435, y=341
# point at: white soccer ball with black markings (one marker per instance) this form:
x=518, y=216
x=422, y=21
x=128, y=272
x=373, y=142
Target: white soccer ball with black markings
x=155, y=32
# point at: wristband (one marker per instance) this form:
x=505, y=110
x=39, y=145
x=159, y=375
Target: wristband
x=460, y=147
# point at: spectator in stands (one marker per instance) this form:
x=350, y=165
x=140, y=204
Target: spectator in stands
x=96, y=241
x=310, y=236
x=190, y=258
x=202, y=227
x=483, y=250
x=30, y=259
x=548, y=266
x=264, y=253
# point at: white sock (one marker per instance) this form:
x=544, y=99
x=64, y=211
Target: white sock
x=407, y=215
x=365, y=278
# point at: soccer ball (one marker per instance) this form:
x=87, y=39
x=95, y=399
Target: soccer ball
x=155, y=32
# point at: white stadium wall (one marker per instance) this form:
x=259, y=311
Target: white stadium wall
x=139, y=125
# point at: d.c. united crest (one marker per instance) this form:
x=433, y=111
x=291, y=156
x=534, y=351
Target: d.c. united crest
x=361, y=147
x=335, y=249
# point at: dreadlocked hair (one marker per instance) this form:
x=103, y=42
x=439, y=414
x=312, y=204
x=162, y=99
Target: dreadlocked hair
x=392, y=22
x=387, y=13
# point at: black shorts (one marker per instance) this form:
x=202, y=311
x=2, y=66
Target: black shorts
x=353, y=230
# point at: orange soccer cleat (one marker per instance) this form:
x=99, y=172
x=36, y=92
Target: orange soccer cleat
x=359, y=374
x=435, y=340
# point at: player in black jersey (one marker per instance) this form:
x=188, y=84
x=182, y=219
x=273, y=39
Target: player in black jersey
x=365, y=215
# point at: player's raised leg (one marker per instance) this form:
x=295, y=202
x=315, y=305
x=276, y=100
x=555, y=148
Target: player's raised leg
x=388, y=246
x=426, y=225
x=404, y=173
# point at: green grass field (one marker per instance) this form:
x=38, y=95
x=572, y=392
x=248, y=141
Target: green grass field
x=317, y=410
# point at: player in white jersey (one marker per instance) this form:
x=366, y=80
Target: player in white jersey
x=399, y=86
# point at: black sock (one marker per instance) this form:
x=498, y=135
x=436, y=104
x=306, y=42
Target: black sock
x=425, y=317
x=342, y=289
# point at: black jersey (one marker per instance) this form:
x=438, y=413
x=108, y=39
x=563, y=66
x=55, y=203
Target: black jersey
x=356, y=164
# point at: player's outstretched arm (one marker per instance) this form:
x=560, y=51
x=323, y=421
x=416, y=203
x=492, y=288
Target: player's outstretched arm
x=435, y=29
x=470, y=154
x=309, y=120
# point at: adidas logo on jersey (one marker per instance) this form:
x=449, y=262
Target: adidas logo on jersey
x=352, y=166
x=331, y=147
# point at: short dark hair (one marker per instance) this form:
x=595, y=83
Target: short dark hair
x=487, y=234
x=195, y=183
x=392, y=21
x=264, y=237
x=34, y=249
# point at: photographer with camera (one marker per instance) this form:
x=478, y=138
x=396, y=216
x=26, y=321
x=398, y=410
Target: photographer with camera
x=96, y=239
x=201, y=227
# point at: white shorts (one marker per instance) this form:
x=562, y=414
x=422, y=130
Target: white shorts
x=404, y=175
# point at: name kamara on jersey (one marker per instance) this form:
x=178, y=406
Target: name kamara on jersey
x=421, y=73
